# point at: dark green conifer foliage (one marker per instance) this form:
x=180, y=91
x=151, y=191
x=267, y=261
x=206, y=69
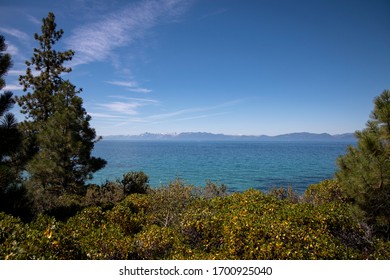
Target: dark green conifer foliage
x=7, y=120
x=365, y=170
x=9, y=134
x=56, y=123
x=5, y=63
x=13, y=196
x=38, y=104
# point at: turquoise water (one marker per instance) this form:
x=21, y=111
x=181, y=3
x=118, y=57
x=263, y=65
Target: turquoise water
x=239, y=165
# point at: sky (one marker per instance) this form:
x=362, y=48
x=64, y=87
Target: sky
x=221, y=66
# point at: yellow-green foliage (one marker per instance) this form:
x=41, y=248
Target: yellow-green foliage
x=28, y=241
x=167, y=204
x=382, y=250
x=324, y=192
x=154, y=242
x=252, y=225
x=181, y=222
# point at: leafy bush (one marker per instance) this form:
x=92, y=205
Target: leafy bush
x=154, y=242
x=90, y=236
x=252, y=225
x=283, y=193
x=181, y=222
x=135, y=182
x=212, y=190
x=168, y=203
x=29, y=241
x=104, y=196
x=129, y=217
x=381, y=250
x=12, y=231
x=59, y=205
x=324, y=192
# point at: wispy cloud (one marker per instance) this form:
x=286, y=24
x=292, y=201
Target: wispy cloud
x=13, y=87
x=105, y=116
x=34, y=20
x=144, y=100
x=121, y=109
x=12, y=49
x=123, y=84
x=130, y=86
x=192, y=110
x=176, y=113
x=15, y=33
x=127, y=108
x=95, y=41
x=16, y=72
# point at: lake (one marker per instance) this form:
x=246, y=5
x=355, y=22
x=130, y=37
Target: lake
x=238, y=165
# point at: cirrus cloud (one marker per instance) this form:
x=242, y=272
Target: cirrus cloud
x=96, y=41
x=130, y=86
x=15, y=33
x=125, y=107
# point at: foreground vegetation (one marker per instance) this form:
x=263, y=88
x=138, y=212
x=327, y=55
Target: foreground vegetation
x=48, y=212
x=184, y=222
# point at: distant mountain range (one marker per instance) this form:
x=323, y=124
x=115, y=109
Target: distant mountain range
x=204, y=136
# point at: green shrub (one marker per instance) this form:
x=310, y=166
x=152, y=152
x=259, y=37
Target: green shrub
x=12, y=232
x=90, y=236
x=212, y=190
x=179, y=222
x=324, y=192
x=135, y=182
x=61, y=205
x=283, y=194
x=381, y=250
x=65, y=206
x=37, y=240
x=105, y=196
x=154, y=242
x=168, y=203
x=253, y=225
x=128, y=217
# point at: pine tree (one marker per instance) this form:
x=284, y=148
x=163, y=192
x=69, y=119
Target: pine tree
x=5, y=61
x=56, y=123
x=10, y=137
x=364, y=172
x=49, y=63
x=13, y=195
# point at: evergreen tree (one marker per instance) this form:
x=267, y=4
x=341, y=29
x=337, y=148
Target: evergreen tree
x=56, y=123
x=9, y=134
x=38, y=104
x=7, y=119
x=364, y=172
x=13, y=195
x=10, y=137
x=5, y=63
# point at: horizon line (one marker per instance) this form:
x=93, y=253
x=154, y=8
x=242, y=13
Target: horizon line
x=224, y=134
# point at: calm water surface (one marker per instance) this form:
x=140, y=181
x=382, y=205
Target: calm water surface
x=239, y=165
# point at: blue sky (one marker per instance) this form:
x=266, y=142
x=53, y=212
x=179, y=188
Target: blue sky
x=221, y=66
